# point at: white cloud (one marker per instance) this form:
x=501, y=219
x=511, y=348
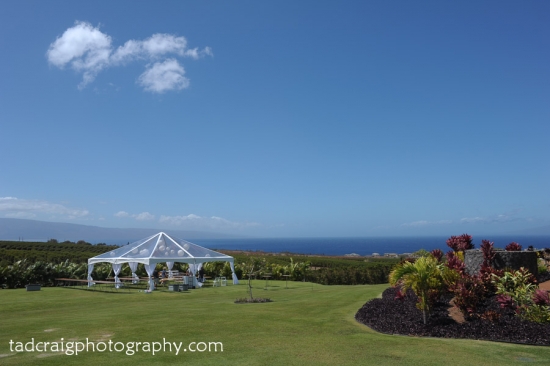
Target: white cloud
x=426, y=223
x=160, y=44
x=14, y=207
x=84, y=47
x=178, y=220
x=506, y=217
x=144, y=216
x=469, y=220
x=416, y=223
x=129, y=51
x=88, y=50
x=193, y=221
x=164, y=76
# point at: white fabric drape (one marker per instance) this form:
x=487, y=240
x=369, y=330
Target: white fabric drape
x=90, y=270
x=133, y=267
x=235, y=279
x=170, y=265
x=150, y=268
x=116, y=268
x=194, y=268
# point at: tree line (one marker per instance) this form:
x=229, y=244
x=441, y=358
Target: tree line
x=51, y=251
x=38, y=262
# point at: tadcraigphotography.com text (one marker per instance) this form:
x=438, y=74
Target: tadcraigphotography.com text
x=129, y=348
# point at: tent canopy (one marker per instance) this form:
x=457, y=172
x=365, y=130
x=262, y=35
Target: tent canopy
x=161, y=248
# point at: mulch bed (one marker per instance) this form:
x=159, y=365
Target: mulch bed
x=390, y=316
x=255, y=300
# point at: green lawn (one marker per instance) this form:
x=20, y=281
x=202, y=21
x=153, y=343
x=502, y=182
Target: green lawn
x=305, y=325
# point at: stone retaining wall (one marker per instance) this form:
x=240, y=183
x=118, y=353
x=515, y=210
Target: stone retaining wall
x=473, y=259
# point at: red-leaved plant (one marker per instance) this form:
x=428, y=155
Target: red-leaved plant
x=469, y=292
x=506, y=302
x=541, y=297
x=460, y=243
x=513, y=247
x=438, y=254
x=488, y=252
x=453, y=262
x=399, y=295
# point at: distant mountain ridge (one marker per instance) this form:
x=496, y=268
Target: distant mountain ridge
x=23, y=229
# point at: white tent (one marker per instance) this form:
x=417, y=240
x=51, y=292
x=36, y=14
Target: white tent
x=159, y=248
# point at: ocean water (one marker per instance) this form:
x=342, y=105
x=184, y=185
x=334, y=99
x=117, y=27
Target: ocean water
x=361, y=246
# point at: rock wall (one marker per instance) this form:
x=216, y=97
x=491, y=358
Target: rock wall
x=473, y=259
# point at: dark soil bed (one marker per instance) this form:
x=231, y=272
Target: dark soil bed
x=391, y=316
x=247, y=300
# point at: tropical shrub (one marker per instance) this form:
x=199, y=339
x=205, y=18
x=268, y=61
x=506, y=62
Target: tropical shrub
x=421, y=253
x=402, y=317
x=460, y=243
x=517, y=290
x=424, y=277
x=437, y=254
x=469, y=292
x=455, y=263
x=513, y=247
x=519, y=285
x=489, y=253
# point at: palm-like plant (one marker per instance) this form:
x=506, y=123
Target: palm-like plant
x=424, y=276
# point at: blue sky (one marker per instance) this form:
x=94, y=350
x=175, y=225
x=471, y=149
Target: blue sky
x=283, y=118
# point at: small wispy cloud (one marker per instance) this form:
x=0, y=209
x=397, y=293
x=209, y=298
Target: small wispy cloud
x=144, y=216
x=179, y=220
x=193, y=221
x=489, y=219
x=24, y=208
x=421, y=223
x=473, y=220
x=498, y=218
x=87, y=50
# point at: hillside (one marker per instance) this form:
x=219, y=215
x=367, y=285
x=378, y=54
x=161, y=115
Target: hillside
x=33, y=230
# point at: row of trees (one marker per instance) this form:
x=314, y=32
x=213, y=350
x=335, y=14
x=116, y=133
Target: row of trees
x=22, y=263
x=50, y=252
x=26, y=271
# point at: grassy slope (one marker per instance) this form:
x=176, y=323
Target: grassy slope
x=305, y=325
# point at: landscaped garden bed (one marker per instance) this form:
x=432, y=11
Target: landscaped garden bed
x=436, y=296
x=391, y=316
